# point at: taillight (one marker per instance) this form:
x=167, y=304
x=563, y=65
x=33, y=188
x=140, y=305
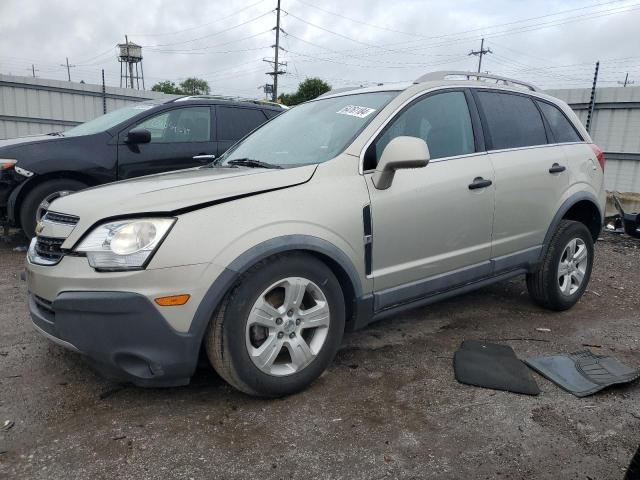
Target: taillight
x=599, y=154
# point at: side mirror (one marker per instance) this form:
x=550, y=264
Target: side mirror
x=138, y=135
x=401, y=152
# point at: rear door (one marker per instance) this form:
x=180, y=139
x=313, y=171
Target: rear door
x=234, y=122
x=180, y=138
x=530, y=174
x=430, y=229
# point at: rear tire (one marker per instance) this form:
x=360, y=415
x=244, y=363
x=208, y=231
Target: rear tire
x=37, y=200
x=299, y=338
x=566, y=268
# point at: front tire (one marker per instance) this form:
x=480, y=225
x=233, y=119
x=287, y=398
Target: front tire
x=279, y=328
x=37, y=201
x=566, y=269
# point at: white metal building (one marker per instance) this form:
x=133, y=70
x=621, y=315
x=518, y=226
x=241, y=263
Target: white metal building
x=615, y=127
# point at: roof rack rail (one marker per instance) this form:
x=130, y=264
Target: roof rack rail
x=442, y=75
x=230, y=98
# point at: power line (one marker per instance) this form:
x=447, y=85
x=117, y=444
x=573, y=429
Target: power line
x=211, y=34
x=175, y=32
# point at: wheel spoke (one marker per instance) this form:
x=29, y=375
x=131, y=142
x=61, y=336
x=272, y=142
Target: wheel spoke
x=317, y=316
x=563, y=270
x=572, y=248
x=266, y=354
x=566, y=285
x=578, y=275
x=264, y=314
x=300, y=353
x=581, y=254
x=294, y=292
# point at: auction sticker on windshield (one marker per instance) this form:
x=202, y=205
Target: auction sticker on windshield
x=356, y=111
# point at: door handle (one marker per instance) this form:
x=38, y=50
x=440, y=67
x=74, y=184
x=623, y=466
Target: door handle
x=557, y=168
x=479, y=182
x=204, y=157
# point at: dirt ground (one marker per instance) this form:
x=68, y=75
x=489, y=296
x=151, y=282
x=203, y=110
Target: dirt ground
x=389, y=407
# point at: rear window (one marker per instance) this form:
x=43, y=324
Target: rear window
x=234, y=123
x=562, y=129
x=513, y=120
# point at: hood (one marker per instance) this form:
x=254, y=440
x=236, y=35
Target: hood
x=176, y=192
x=13, y=142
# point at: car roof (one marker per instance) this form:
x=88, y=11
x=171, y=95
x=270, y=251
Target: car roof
x=443, y=79
x=224, y=100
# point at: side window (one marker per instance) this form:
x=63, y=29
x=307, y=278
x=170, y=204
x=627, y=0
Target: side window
x=271, y=113
x=513, y=120
x=441, y=120
x=561, y=127
x=234, y=123
x=190, y=124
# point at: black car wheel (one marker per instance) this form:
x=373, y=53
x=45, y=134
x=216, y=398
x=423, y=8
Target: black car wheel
x=565, y=271
x=279, y=328
x=37, y=201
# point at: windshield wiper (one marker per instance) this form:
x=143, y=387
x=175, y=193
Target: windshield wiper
x=251, y=163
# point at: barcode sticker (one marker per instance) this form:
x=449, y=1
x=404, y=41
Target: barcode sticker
x=356, y=111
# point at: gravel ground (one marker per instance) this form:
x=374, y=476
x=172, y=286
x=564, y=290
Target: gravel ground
x=388, y=407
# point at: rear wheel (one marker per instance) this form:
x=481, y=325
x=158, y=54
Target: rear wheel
x=566, y=269
x=38, y=200
x=279, y=328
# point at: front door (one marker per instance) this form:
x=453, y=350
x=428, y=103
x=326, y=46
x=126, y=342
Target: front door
x=432, y=227
x=180, y=138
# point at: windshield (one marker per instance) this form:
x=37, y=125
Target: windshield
x=313, y=132
x=108, y=120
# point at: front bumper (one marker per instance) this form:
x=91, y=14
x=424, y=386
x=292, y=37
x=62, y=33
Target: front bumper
x=122, y=334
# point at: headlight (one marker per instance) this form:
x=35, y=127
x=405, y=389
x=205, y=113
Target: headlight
x=124, y=244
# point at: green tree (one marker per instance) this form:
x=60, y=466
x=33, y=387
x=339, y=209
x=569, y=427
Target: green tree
x=167, y=86
x=190, y=86
x=194, y=86
x=308, y=89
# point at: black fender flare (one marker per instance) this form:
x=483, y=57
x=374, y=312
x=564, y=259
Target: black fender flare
x=562, y=211
x=241, y=264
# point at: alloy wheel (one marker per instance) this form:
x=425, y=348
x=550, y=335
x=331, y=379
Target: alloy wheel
x=573, y=266
x=287, y=326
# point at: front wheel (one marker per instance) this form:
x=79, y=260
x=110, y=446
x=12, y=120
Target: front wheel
x=566, y=269
x=37, y=201
x=279, y=328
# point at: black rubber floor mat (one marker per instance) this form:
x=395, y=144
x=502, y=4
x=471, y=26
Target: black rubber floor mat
x=583, y=373
x=494, y=366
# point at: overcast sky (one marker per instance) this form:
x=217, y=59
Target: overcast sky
x=550, y=43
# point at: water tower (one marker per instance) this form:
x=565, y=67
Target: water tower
x=129, y=56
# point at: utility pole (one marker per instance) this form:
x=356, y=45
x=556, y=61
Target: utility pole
x=68, y=68
x=34, y=70
x=104, y=94
x=592, y=101
x=276, y=64
x=480, y=53
x=626, y=81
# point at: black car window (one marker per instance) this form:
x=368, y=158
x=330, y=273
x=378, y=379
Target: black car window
x=234, y=123
x=441, y=120
x=272, y=113
x=562, y=129
x=513, y=120
x=189, y=124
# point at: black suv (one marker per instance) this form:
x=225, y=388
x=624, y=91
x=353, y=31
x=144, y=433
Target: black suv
x=140, y=139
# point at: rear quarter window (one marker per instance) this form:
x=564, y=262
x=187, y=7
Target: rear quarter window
x=561, y=128
x=513, y=120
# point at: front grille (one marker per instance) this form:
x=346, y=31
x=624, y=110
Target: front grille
x=49, y=248
x=61, y=218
